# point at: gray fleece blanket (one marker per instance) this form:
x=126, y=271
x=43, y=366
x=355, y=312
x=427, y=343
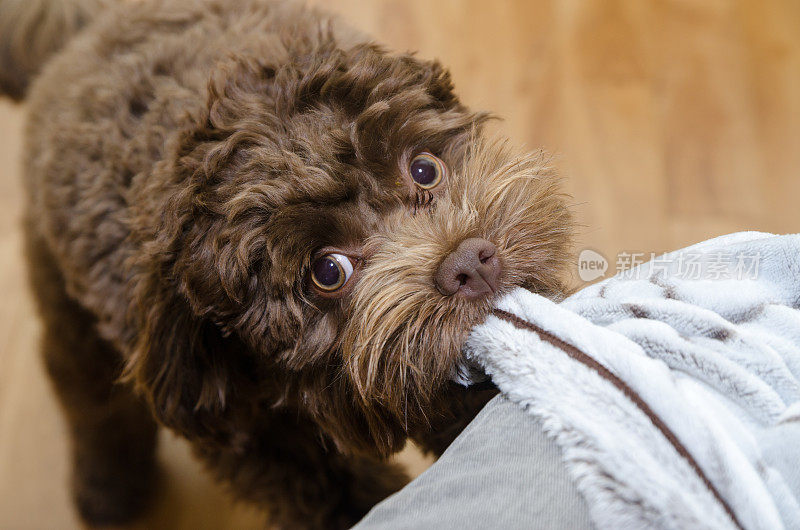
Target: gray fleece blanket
x=672, y=390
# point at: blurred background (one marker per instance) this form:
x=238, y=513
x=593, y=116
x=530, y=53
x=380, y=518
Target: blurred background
x=673, y=120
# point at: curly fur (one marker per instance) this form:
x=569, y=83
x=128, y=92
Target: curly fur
x=185, y=160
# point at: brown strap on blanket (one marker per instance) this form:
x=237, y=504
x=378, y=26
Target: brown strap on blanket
x=606, y=374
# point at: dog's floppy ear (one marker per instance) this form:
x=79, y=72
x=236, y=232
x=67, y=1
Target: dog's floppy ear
x=181, y=363
x=189, y=282
x=187, y=360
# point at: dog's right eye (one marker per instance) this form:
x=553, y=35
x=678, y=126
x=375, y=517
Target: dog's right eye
x=331, y=271
x=427, y=170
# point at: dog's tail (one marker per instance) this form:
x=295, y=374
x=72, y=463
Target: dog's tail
x=33, y=30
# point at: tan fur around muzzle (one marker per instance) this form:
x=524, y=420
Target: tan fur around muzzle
x=404, y=336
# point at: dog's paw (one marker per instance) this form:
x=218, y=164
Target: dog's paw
x=108, y=497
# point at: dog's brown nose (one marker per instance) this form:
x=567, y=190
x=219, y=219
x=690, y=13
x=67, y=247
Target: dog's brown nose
x=472, y=270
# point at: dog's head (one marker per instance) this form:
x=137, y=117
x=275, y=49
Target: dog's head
x=326, y=236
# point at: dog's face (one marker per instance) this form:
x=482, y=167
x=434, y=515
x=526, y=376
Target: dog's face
x=344, y=222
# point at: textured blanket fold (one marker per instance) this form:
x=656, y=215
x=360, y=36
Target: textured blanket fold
x=672, y=390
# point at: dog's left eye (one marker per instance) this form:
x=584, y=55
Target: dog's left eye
x=427, y=170
x=331, y=271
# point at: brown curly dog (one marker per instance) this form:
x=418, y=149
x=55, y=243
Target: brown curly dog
x=250, y=223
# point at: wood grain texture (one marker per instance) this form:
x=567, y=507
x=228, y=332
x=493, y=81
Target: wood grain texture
x=673, y=121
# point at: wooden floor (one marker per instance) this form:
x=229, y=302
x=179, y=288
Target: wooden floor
x=674, y=121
